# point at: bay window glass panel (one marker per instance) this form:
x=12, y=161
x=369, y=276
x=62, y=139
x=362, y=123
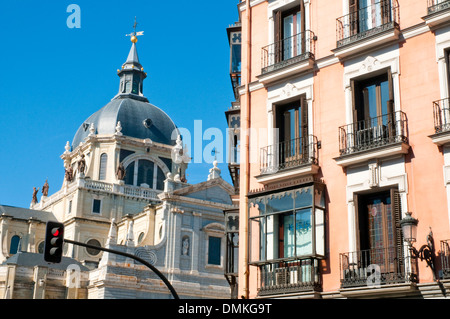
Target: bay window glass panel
x=303, y=197
x=280, y=202
x=272, y=236
x=303, y=232
x=289, y=235
x=284, y=227
x=320, y=232
x=257, y=244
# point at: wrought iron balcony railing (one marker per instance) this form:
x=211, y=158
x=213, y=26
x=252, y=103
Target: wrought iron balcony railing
x=365, y=22
x=289, y=154
x=437, y=5
x=445, y=258
x=299, y=47
x=383, y=266
x=441, y=114
x=372, y=133
x=289, y=277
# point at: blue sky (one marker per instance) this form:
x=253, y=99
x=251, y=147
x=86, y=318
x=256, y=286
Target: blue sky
x=55, y=77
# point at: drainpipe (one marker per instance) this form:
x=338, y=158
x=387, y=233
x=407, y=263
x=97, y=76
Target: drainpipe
x=246, y=181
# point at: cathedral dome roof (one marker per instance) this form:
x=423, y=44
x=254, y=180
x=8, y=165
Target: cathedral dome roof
x=138, y=119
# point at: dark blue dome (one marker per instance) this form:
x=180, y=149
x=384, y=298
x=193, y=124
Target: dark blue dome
x=139, y=119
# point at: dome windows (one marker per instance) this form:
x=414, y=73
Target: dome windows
x=147, y=123
x=144, y=173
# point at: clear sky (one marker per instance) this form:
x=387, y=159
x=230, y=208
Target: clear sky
x=54, y=77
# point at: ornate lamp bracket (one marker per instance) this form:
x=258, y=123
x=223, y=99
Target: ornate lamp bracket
x=426, y=252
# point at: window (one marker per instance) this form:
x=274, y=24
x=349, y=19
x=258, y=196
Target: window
x=147, y=172
x=136, y=82
x=214, y=250
x=287, y=224
x=103, y=164
x=379, y=238
x=96, y=206
x=292, y=122
x=373, y=98
x=93, y=251
x=14, y=247
x=69, y=210
x=129, y=174
x=373, y=110
x=368, y=14
x=289, y=33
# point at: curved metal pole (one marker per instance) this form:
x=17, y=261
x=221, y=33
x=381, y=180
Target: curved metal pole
x=163, y=278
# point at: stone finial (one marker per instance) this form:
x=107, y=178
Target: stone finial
x=130, y=235
x=118, y=129
x=214, y=172
x=112, y=235
x=92, y=129
x=67, y=148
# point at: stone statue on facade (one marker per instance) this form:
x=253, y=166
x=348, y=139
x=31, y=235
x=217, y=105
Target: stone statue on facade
x=69, y=173
x=34, y=199
x=45, y=188
x=120, y=172
x=81, y=165
x=185, y=246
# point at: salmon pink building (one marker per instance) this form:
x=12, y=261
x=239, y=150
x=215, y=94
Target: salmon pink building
x=342, y=121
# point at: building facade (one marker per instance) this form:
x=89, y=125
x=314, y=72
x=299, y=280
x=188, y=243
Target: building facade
x=124, y=188
x=343, y=134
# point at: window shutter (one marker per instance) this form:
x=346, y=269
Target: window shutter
x=397, y=214
x=354, y=103
x=353, y=16
x=278, y=46
x=385, y=11
x=103, y=163
x=304, y=125
x=390, y=107
x=357, y=221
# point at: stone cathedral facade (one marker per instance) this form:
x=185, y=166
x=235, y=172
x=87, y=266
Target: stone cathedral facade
x=124, y=188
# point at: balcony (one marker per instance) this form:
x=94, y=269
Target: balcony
x=441, y=115
x=381, y=268
x=376, y=137
x=288, y=159
x=367, y=28
x=286, y=57
x=289, y=277
x=445, y=258
x=438, y=13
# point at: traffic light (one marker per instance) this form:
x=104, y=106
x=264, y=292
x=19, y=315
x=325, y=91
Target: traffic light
x=54, y=240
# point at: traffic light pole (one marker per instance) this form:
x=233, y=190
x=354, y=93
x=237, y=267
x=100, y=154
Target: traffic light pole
x=160, y=275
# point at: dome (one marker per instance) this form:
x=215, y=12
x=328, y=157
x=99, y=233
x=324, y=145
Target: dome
x=139, y=119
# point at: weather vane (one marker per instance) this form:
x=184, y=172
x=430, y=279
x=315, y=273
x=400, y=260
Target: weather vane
x=135, y=34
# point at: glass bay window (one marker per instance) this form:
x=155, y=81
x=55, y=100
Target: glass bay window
x=287, y=225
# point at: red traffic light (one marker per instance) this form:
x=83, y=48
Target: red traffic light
x=54, y=240
x=55, y=231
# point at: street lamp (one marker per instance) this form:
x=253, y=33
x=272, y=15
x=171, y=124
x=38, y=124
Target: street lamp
x=427, y=251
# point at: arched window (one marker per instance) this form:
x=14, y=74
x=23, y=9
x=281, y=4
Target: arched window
x=129, y=174
x=145, y=173
x=14, y=247
x=103, y=163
